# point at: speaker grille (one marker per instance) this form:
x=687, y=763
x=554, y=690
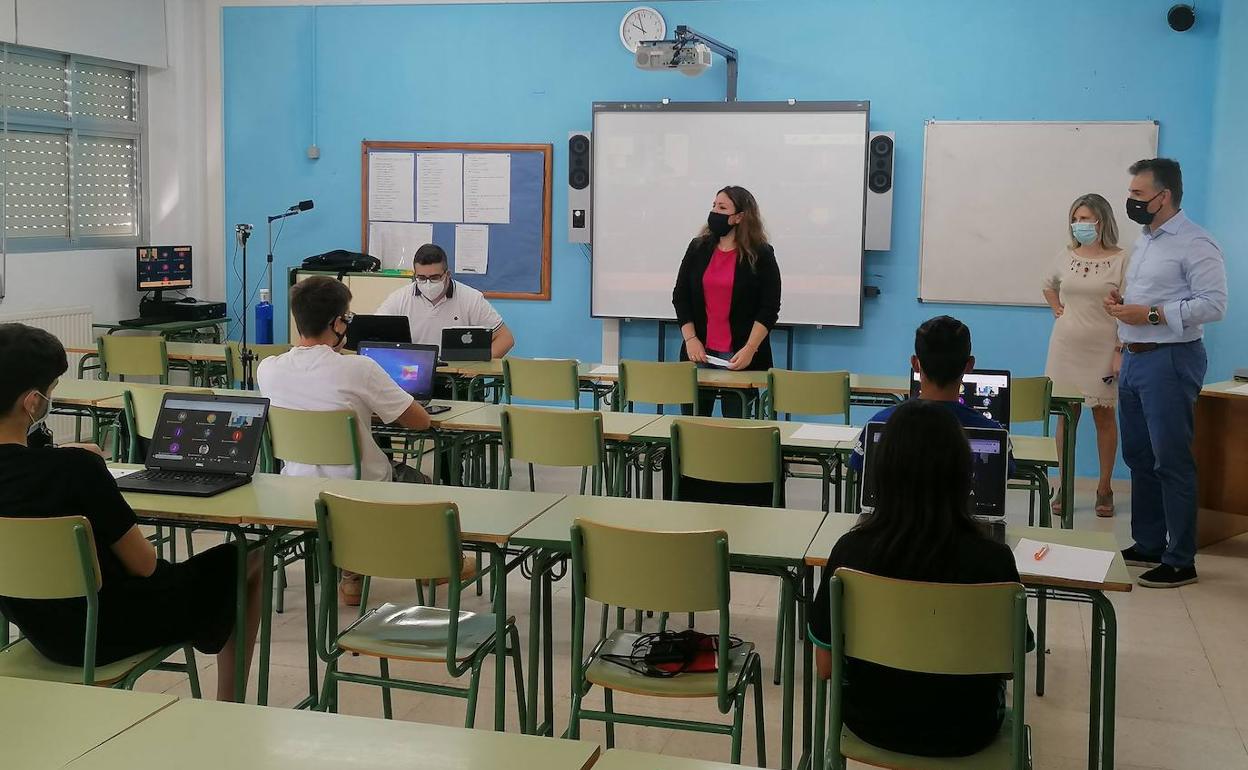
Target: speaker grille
x=880, y=175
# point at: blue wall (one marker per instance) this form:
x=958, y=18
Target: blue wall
x=528, y=73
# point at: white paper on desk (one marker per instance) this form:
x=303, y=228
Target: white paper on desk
x=395, y=243
x=605, y=369
x=717, y=361
x=1068, y=562
x=390, y=194
x=440, y=186
x=119, y=473
x=1241, y=390
x=472, y=249
x=487, y=188
x=813, y=431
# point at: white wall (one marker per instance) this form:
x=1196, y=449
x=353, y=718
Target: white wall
x=175, y=190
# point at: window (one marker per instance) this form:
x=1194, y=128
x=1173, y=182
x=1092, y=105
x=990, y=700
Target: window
x=71, y=138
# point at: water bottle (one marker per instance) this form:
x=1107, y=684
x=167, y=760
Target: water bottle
x=264, y=319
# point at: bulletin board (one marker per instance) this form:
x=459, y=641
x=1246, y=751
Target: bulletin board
x=487, y=205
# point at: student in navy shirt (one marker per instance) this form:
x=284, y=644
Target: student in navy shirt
x=942, y=354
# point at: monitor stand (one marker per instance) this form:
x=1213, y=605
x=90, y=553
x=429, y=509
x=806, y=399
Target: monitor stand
x=156, y=306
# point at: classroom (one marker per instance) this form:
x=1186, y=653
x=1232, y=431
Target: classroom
x=623, y=384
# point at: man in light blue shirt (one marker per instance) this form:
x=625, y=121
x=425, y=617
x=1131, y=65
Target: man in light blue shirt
x=1175, y=284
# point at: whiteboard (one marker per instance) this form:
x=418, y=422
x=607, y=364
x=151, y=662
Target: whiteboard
x=996, y=198
x=657, y=167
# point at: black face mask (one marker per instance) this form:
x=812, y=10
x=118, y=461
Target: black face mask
x=1137, y=211
x=717, y=223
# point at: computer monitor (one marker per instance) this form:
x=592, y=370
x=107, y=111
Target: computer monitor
x=410, y=365
x=987, y=391
x=377, y=328
x=990, y=467
x=163, y=267
x=206, y=432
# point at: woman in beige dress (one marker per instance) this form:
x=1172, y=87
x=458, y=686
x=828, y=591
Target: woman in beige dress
x=1084, y=352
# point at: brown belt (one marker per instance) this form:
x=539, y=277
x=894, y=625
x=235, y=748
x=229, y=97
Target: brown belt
x=1148, y=347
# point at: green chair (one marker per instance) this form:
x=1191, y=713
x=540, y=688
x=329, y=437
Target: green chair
x=234, y=359
x=49, y=559
x=561, y=438
x=1030, y=399
x=404, y=541
x=661, y=383
x=133, y=356
x=813, y=393
x=933, y=628
x=663, y=572
x=142, y=407
x=542, y=379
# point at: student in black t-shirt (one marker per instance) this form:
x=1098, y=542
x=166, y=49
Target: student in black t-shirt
x=144, y=602
x=921, y=529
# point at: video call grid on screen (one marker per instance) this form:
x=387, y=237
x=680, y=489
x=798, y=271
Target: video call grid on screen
x=208, y=435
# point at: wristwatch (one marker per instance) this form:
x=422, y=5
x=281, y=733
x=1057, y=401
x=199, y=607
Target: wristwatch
x=1154, y=317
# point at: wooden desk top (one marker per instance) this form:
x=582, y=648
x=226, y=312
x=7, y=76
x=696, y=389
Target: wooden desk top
x=88, y=392
x=616, y=426
x=1118, y=578
x=485, y=515
x=48, y=725
x=619, y=759
x=207, y=735
x=1226, y=389
x=778, y=534
x=661, y=430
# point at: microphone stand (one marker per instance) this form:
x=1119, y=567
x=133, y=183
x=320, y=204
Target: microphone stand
x=293, y=210
x=245, y=353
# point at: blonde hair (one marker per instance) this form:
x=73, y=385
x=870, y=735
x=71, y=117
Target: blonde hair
x=751, y=234
x=1104, y=213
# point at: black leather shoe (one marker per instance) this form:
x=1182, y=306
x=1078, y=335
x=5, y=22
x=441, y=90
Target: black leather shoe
x=1134, y=557
x=1165, y=576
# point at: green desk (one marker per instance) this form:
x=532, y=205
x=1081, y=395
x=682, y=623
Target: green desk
x=190, y=331
x=1103, y=673
x=205, y=735
x=95, y=400
x=619, y=759
x=273, y=506
x=49, y=725
x=767, y=540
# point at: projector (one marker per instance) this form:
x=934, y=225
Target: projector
x=691, y=60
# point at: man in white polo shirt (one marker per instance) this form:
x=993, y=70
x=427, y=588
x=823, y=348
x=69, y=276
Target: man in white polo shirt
x=436, y=301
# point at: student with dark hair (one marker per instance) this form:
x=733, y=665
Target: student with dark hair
x=435, y=301
x=921, y=529
x=942, y=354
x=145, y=602
x=314, y=376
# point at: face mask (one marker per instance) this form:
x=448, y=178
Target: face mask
x=1137, y=211
x=717, y=223
x=38, y=425
x=434, y=290
x=340, y=337
x=1084, y=232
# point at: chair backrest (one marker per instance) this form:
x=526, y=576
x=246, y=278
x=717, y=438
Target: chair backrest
x=133, y=355
x=542, y=379
x=935, y=628
x=1029, y=400
x=814, y=393
x=557, y=437
x=726, y=453
x=48, y=558
x=659, y=382
x=402, y=541
x=234, y=357
x=315, y=438
x=143, y=407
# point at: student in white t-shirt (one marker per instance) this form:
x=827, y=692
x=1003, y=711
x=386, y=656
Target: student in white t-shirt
x=435, y=301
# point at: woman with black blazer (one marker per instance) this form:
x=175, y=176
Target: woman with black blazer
x=727, y=294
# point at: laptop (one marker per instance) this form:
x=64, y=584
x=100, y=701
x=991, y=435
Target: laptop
x=203, y=445
x=378, y=328
x=990, y=463
x=987, y=391
x=466, y=343
x=411, y=366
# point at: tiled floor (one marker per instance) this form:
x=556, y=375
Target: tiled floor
x=1182, y=684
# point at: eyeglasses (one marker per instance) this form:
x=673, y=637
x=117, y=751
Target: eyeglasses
x=347, y=318
x=424, y=280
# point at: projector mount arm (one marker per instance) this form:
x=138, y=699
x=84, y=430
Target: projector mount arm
x=686, y=37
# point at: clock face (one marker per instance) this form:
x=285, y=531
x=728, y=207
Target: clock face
x=641, y=23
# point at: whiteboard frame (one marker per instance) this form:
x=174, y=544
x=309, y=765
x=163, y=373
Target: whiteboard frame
x=793, y=106
x=923, y=190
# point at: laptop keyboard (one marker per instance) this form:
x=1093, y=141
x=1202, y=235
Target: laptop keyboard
x=179, y=477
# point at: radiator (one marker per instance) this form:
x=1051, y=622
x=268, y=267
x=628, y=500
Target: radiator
x=72, y=326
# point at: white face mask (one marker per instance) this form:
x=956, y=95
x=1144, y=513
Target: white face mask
x=37, y=423
x=433, y=290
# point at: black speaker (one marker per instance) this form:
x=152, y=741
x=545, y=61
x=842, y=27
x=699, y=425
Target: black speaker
x=1181, y=17
x=880, y=170
x=578, y=162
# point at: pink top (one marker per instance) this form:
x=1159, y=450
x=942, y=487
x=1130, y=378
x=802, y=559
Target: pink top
x=717, y=286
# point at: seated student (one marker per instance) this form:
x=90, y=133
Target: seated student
x=436, y=301
x=921, y=529
x=942, y=354
x=144, y=602
x=314, y=376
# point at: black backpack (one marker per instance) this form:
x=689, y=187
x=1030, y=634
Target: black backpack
x=342, y=261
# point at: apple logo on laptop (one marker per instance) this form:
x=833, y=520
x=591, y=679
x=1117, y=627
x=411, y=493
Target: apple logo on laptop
x=467, y=338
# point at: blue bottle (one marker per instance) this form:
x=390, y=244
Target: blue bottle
x=264, y=319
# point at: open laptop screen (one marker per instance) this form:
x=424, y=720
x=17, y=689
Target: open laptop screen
x=990, y=466
x=987, y=391
x=378, y=328
x=410, y=365
x=203, y=432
